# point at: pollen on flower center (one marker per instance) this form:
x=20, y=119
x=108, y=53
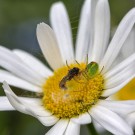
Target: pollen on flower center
x=78, y=97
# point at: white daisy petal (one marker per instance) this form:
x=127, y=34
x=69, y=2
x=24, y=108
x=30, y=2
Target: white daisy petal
x=118, y=40
x=48, y=121
x=33, y=63
x=102, y=30
x=15, y=102
x=72, y=129
x=17, y=82
x=121, y=107
x=82, y=119
x=83, y=37
x=5, y=105
x=109, y=92
x=24, y=105
x=131, y=120
x=120, y=77
x=59, y=128
x=128, y=102
x=48, y=45
x=8, y=52
x=28, y=106
x=45, y=117
x=62, y=30
x=98, y=127
x=14, y=64
x=92, y=26
x=127, y=50
x=33, y=103
x=128, y=61
x=110, y=121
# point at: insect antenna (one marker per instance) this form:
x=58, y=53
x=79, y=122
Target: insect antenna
x=67, y=65
x=77, y=62
x=84, y=73
x=101, y=70
x=87, y=59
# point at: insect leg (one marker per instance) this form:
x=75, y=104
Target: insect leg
x=87, y=59
x=85, y=75
x=77, y=62
x=67, y=64
x=101, y=70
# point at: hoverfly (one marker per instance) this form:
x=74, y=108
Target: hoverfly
x=89, y=72
x=71, y=73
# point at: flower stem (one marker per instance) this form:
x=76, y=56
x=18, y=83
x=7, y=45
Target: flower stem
x=92, y=129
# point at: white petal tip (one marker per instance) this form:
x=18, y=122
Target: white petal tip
x=57, y=4
x=42, y=25
x=5, y=84
x=82, y=119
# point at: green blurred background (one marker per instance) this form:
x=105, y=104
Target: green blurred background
x=18, y=21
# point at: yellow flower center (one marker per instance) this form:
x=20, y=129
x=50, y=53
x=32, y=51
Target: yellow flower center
x=78, y=97
x=127, y=92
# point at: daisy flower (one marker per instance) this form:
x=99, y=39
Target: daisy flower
x=75, y=92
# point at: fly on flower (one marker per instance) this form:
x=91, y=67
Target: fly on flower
x=75, y=73
x=71, y=73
